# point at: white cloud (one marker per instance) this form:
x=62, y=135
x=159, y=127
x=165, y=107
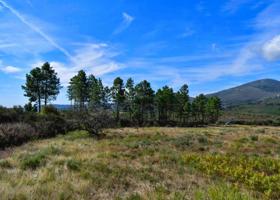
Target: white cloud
x=127, y=20
x=10, y=69
x=271, y=49
x=35, y=28
x=250, y=57
x=97, y=59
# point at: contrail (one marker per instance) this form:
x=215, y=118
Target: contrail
x=36, y=29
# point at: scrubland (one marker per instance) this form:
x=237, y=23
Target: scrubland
x=235, y=162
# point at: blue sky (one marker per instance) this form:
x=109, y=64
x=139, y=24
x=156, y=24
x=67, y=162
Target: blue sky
x=210, y=45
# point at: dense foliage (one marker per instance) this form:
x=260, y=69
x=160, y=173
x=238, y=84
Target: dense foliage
x=140, y=105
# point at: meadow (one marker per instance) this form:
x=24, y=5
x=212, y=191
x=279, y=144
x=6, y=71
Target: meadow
x=217, y=163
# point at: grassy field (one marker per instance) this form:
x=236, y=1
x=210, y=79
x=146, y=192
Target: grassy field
x=218, y=163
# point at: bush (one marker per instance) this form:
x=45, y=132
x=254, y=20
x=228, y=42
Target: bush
x=37, y=159
x=202, y=140
x=254, y=138
x=73, y=165
x=93, y=122
x=49, y=125
x=47, y=110
x=5, y=164
x=33, y=161
x=16, y=134
x=10, y=115
x=256, y=173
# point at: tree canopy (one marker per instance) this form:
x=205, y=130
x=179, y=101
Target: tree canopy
x=42, y=83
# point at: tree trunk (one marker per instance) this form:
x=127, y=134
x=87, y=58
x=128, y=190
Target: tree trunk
x=46, y=101
x=118, y=113
x=39, y=104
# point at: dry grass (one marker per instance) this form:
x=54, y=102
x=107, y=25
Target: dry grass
x=130, y=163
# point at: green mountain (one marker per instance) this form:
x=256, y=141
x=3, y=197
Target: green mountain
x=255, y=92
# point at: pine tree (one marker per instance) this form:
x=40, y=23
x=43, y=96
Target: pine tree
x=118, y=95
x=130, y=96
x=78, y=90
x=33, y=86
x=182, y=102
x=213, y=108
x=144, y=100
x=95, y=92
x=50, y=84
x=42, y=84
x=165, y=103
x=199, y=108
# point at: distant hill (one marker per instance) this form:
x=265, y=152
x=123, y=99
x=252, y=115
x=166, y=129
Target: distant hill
x=250, y=93
x=62, y=107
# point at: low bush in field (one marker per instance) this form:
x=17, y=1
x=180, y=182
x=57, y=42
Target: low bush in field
x=32, y=126
x=33, y=161
x=16, y=134
x=5, y=164
x=37, y=159
x=49, y=123
x=93, y=122
x=73, y=165
x=221, y=192
x=257, y=173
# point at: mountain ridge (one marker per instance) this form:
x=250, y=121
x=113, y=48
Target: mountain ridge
x=252, y=92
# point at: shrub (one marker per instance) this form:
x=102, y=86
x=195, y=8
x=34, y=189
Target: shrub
x=257, y=173
x=10, y=115
x=33, y=161
x=202, y=140
x=49, y=125
x=183, y=141
x=254, y=138
x=50, y=110
x=93, y=122
x=221, y=192
x=5, y=164
x=16, y=134
x=73, y=165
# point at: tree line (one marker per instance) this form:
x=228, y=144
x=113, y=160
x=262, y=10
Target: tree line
x=130, y=103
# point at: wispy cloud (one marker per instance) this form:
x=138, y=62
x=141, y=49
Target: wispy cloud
x=21, y=38
x=10, y=69
x=263, y=45
x=126, y=22
x=94, y=58
x=35, y=28
x=271, y=49
x=232, y=6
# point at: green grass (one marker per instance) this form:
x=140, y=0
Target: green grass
x=216, y=163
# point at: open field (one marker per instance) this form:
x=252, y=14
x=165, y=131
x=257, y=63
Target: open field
x=238, y=162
